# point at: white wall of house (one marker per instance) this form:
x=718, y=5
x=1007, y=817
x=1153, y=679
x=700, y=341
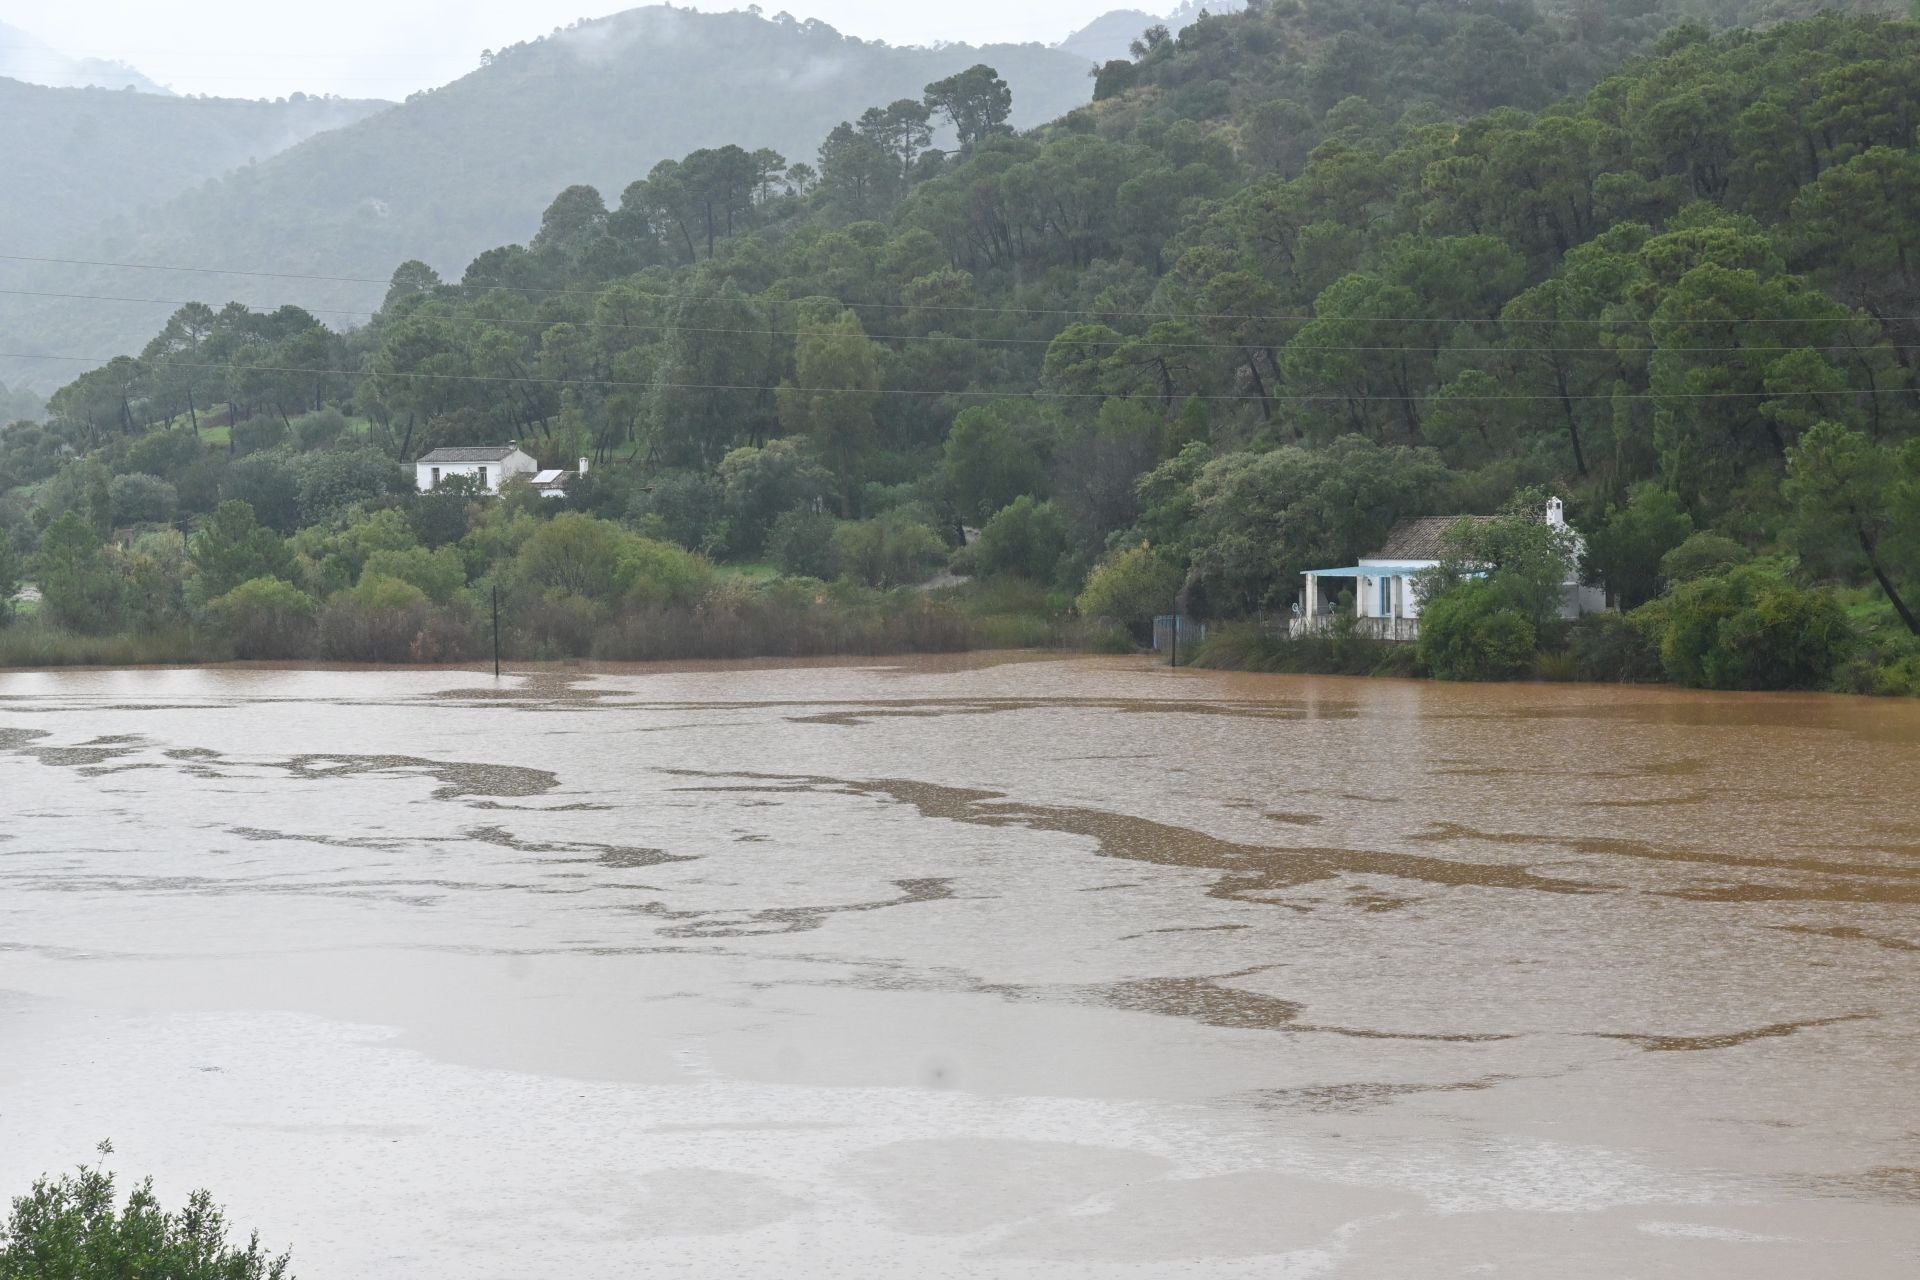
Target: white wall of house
x=1388, y=595
x=490, y=474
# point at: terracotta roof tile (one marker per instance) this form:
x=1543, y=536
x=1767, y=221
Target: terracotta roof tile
x=1421, y=538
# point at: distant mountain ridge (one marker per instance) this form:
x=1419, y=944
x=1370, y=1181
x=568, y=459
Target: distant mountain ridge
x=1111, y=35
x=27, y=58
x=77, y=157
x=460, y=169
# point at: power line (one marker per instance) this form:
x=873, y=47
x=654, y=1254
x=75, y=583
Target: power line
x=909, y=306
x=654, y=385
x=1123, y=341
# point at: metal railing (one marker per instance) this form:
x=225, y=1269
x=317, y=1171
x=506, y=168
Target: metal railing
x=1394, y=630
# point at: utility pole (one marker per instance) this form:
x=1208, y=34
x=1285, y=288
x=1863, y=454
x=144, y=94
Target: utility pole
x=496, y=633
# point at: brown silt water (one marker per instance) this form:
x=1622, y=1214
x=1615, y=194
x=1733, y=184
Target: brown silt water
x=971, y=967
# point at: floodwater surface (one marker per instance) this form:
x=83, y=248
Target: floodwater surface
x=971, y=968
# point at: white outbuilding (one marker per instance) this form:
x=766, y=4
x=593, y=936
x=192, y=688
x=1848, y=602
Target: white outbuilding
x=553, y=484
x=491, y=465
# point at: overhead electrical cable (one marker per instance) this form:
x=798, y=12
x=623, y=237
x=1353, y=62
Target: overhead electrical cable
x=1123, y=341
x=1084, y=312
x=1274, y=398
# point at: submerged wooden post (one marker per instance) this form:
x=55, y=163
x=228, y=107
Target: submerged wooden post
x=496, y=633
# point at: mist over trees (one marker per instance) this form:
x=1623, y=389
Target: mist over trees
x=439, y=178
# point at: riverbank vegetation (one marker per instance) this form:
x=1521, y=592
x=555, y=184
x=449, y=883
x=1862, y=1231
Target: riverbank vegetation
x=1296, y=273
x=74, y=1227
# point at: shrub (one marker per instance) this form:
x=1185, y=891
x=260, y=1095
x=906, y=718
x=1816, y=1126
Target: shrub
x=1702, y=556
x=1613, y=648
x=801, y=544
x=889, y=551
x=1130, y=588
x=687, y=507
x=265, y=618
x=649, y=571
x=559, y=624
x=573, y=554
x=375, y=621
x=758, y=484
x=1472, y=632
x=1747, y=629
x=438, y=573
x=70, y=1226
x=319, y=429
x=232, y=548
x=331, y=482
x=257, y=435
x=79, y=589
x=9, y=577
x=1025, y=538
x=138, y=498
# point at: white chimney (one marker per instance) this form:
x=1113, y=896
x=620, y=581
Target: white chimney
x=583, y=466
x=1556, y=513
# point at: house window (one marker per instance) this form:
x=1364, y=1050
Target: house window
x=433, y=478
x=1386, y=597
x=483, y=479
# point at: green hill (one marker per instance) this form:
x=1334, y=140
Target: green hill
x=1294, y=275
x=77, y=157
x=458, y=169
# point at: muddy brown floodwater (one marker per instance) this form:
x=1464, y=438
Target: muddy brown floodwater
x=971, y=968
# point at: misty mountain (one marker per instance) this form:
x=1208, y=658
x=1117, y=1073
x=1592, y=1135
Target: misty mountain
x=1111, y=35
x=1108, y=36
x=459, y=169
x=24, y=56
x=78, y=157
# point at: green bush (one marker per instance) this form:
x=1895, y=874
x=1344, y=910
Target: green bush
x=1702, y=556
x=80, y=591
x=377, y=620
x=70, y=1228
x=319, y=429
x=138, y=498
x=889, y=551
x=801, y=544
x=332, y=481
x=233, y=547
x=257, y=435
x=440, y=573
x=1611, y=648
x=1470, y=632
x=265, y=618
x=1024, y=538
x=1747, y=629
x=652, y=572
x=1131, y=588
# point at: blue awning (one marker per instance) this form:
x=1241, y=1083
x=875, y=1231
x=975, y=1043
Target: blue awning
x=1367, y=571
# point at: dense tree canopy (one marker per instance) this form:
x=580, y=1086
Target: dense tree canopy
x=1298, y=272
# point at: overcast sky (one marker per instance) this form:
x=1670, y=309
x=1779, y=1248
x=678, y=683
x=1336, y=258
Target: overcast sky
x=388, y=48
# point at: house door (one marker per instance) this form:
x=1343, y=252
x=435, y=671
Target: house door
x=1386, y=597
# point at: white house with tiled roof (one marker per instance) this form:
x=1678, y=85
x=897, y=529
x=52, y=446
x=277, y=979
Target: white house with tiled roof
x=491, y=465
x=1384, y=596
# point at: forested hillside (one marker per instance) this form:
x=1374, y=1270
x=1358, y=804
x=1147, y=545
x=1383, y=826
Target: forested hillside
x=1295, y=274
x=77, y=157
x=469, y=165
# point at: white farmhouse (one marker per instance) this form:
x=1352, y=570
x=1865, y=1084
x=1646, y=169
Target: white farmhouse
x=491, y=465
x=1384, y=596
